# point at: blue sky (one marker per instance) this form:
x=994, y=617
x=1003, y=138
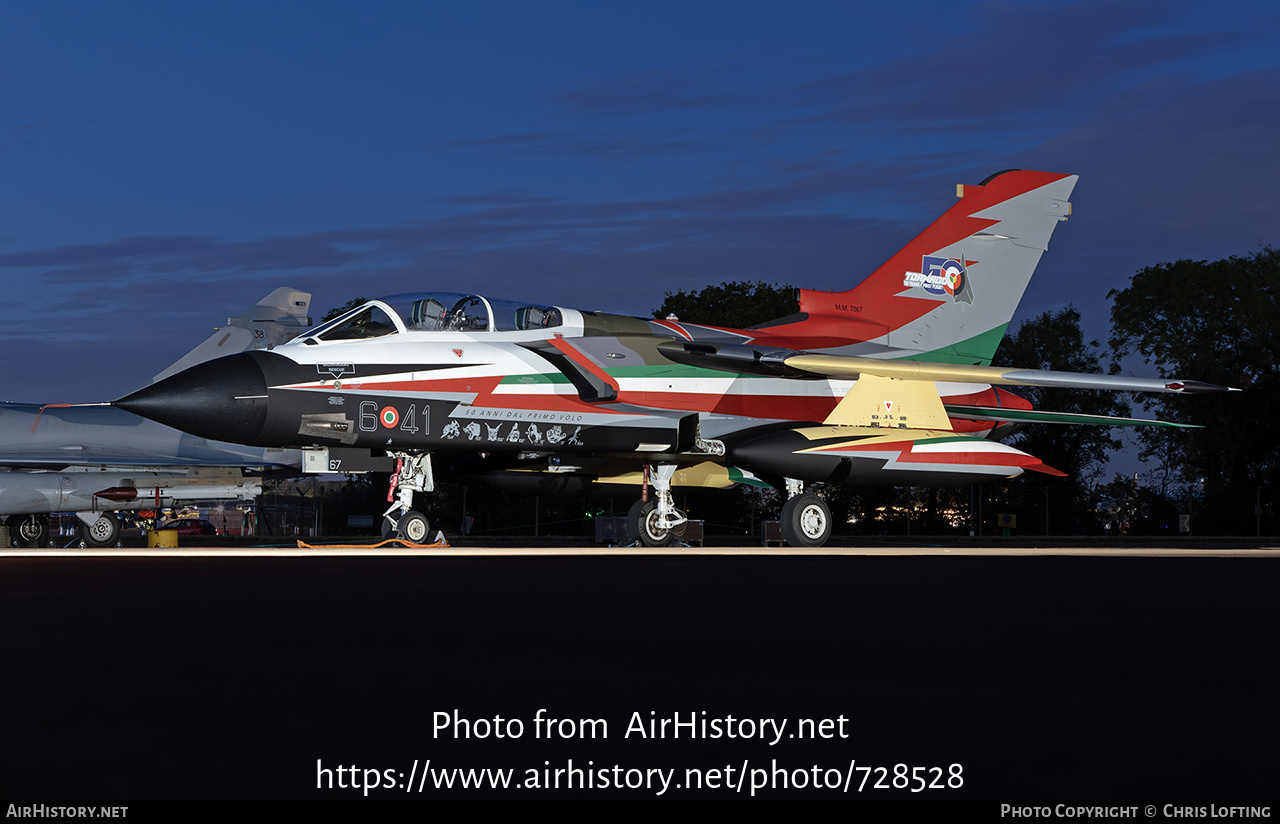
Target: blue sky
x=164, y=165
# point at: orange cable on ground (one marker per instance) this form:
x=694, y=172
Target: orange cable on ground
x=406, y=544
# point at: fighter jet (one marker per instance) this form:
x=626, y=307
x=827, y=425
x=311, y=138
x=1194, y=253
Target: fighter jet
x=95, y=460
x=889, y=382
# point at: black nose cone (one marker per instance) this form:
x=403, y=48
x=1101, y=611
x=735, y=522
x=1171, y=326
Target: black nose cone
x=223, y=400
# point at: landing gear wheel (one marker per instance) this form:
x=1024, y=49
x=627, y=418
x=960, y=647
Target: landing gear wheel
x=31, y=531
x=389, y=527
x=806, y=520
x=103, y=532
x=413, y=527
x=642, y=523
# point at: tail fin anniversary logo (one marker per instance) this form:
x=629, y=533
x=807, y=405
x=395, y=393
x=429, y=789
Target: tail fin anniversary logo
x=941, y=276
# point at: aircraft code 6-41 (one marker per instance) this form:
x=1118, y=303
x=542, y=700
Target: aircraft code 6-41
x=570, y=775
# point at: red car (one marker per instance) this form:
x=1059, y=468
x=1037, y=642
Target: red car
x=191, y=526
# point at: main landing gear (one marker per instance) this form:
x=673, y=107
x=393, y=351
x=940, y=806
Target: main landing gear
x=806, y=518
x=99, y=529
x=401, y=520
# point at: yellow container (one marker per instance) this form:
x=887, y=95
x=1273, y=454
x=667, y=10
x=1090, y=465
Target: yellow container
x=162, y=537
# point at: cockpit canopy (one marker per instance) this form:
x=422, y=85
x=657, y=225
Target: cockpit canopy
x=438, y=312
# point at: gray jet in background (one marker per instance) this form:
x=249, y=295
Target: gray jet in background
x=94, y=460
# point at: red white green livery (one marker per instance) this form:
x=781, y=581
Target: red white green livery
x=888, y=382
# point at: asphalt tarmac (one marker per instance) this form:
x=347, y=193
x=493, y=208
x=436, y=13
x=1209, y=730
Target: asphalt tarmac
x=999, y=676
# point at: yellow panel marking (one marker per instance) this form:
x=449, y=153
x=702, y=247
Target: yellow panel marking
x=890, y=403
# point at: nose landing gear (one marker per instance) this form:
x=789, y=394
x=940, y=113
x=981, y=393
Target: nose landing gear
x=656, y=523
x=30, y=531
x=401, y=521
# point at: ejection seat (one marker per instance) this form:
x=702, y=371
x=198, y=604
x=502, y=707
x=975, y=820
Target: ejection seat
x=427, y=315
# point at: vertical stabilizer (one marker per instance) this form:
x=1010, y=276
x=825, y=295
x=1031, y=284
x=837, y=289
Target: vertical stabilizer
x=277, y=318
x=949, y=294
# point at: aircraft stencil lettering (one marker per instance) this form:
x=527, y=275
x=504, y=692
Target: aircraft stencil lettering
x=336, y=370
x=900, y=391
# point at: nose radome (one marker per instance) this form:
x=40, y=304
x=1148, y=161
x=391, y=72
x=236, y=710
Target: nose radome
x=223, y=400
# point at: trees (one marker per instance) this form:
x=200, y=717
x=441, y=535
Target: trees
x=735, y=304
x=1219, y=322
x=343, y=309
x=1054, y=340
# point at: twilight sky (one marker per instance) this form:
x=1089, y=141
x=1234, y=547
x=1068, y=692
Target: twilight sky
x=164, y=165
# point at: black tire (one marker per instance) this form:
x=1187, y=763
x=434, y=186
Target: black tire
x=103, y=532
x=390, y=527
x=413, y=527
x=806, y=521
x=29, y=531
x=642, y=523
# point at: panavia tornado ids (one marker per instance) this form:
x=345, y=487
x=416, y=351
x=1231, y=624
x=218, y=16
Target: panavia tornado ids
x=887, y=383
